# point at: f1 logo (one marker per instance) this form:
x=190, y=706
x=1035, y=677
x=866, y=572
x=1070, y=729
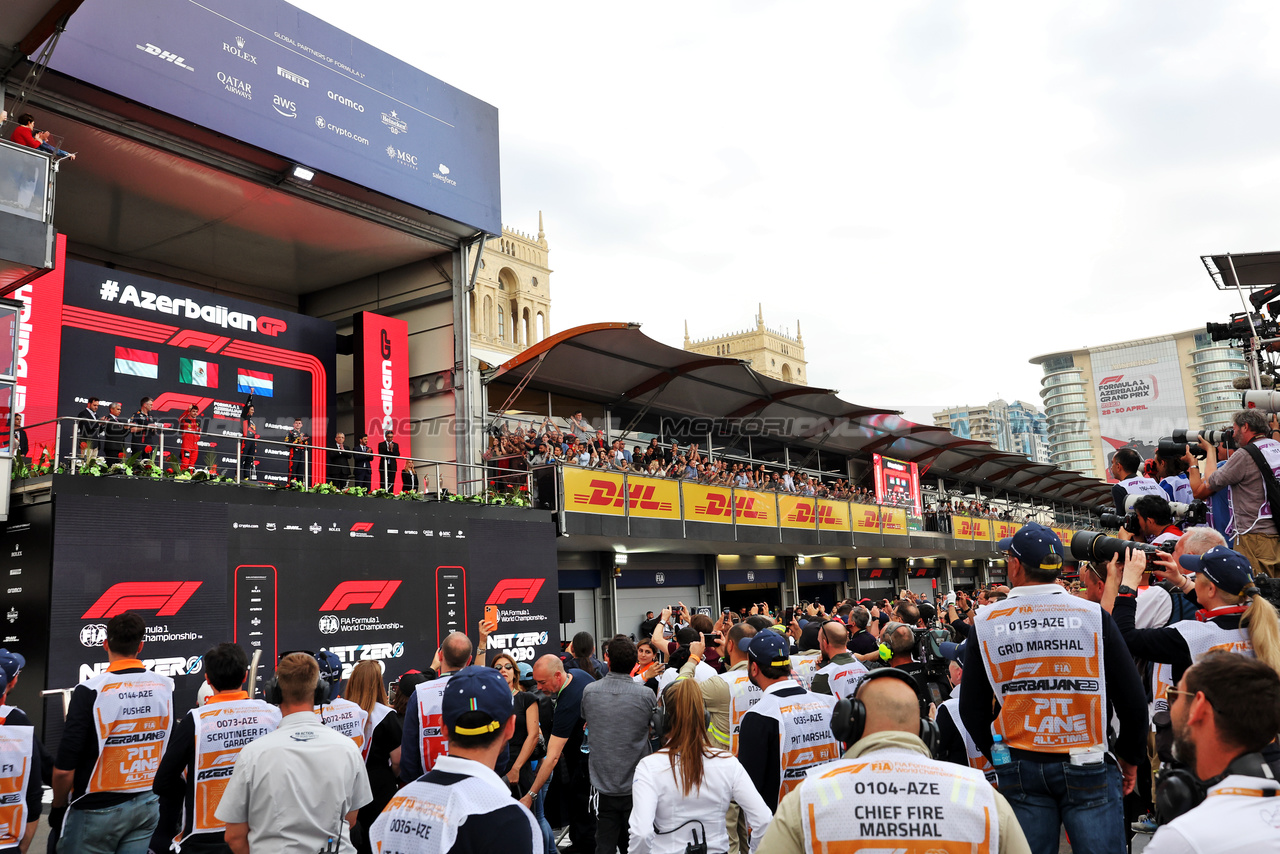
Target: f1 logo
x=524, y=589
x=362, y=527
x=166, y=598
x=375, y=594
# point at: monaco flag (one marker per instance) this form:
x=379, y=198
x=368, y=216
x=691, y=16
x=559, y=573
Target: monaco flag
x=137, y=363
x=254, y=382
x=196, y=372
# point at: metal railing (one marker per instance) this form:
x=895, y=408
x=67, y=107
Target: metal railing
x=86, y=443
x=26, y=181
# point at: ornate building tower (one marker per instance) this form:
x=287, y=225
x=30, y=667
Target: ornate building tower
x=511, y=305
x=772, y=352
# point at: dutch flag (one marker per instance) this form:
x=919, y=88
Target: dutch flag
x=254, y=382
x=137, y=363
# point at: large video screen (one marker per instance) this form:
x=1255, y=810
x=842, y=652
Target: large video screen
x=897, y=483
x=122, y=337
x=370, y=579
x=268, y=73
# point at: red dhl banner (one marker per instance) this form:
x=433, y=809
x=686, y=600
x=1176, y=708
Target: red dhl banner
x=1005, y=529
x=895, y=520
x=833, y=515
x=866, y=518
x=719, y=504
x=602, y=493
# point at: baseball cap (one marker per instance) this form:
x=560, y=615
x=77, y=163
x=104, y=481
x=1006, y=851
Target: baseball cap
x=1227, y=569
x=12, y=663
x=330, y=670
x=526, y=671
x=1035, y=546
x=767, y=648
x=409, y=680
x=476, y=701
x=952, y=651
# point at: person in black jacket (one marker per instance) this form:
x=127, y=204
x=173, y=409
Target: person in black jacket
x=339, y=463
x=18, y=441
x=389, y=451
x=409, y=479
x=364, y=462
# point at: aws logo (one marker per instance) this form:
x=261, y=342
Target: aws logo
x=719, y=505
x=607, y=494
x=803, y=515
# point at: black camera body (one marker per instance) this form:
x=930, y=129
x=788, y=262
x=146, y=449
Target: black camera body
x=1116, y=522
x=1225, y=438
x=1100, y=548
x=1240, y=329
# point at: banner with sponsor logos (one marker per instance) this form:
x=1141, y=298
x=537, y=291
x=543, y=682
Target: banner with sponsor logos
x=721, y=504
x=382, y=390
x=1001, y=530
x=278, y=78
x=369, y=579
x=24, y=565
x=1065, y=534
x=895, y=520
x=195, y=349
x=797, y=512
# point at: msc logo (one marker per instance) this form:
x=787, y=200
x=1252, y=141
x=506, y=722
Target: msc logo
x=524, y=589
x=375, y=594
x=718, y=505
x=606, y=494
x=803, y=515
x=166, y=598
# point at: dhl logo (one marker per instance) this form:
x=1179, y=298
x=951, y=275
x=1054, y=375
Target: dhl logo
x=606, y=494
x=870, y=519
x=971, y=528
x=719, y=505
x=803, y=515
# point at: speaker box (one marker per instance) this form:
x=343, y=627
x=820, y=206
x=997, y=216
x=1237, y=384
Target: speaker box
x=566, y=607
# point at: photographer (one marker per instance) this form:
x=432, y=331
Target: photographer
x=1225, y=712
x=1171, y=469
x=1126, y=468
x=1154, y=521
x=1243, y=476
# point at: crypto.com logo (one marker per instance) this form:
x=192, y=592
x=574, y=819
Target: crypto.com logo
x=375, y=594
x=524, y=589
x=166, y=598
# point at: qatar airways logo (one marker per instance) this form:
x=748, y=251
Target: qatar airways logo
x=218, y=315
x=388, y=385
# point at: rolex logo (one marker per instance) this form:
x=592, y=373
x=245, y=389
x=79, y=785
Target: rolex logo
x=240, y=41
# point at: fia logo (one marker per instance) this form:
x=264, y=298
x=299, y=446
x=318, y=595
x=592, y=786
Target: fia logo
x=328, y=625
x=659, y=578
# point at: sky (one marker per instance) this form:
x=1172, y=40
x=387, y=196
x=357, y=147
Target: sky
x=934, y=191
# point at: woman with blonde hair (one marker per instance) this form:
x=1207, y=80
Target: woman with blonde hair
x=382, y=738
x=683, y=791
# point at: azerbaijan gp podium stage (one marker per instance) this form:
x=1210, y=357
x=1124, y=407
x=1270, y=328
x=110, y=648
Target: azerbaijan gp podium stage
x=273, y=570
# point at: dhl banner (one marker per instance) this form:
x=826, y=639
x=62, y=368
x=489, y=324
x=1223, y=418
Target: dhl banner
x=1065, y=535
x=602, y=493
x=1004, y=529
x=833, y=515
x=964, y=528
x=756, y=508
x=707, y=503
x=981, y=529
x=866, y=518
x=895, y=520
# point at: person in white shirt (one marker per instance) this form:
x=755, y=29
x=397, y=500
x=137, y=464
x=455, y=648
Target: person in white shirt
x=298, y=789
x=1226, y=711
x=681, y=793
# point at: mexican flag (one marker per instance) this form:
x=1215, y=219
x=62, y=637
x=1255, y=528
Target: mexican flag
x=196, y=372
x=137, y=363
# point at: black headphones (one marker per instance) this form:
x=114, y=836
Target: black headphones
x=850, y=715
x=271, y=691
x=1179, y=791
x=660, y=722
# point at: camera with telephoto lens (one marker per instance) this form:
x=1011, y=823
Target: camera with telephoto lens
x=1240, y=329
x=1116, y=522
x=1100, y=548
x=1225, y=438
x=1267, y=401
x=1175, y=449
x=1185, y=515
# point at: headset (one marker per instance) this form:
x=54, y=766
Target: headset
x=850, y=716
x=1179, y=791
x=271, y=691
x=660, y=724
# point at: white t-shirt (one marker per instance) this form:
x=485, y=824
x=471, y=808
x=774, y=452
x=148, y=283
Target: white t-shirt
x=658, y=803
x=295, y=787
x=701, y=673
x=1236, y=818
x=1155, y=606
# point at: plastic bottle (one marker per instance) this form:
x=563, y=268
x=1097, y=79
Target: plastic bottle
x=1000, y=752
x=586, y=743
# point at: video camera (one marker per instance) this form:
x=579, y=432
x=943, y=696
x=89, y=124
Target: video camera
x=1239, y=328
x=1186, y=515
x=1100, y=548
x=930, y=666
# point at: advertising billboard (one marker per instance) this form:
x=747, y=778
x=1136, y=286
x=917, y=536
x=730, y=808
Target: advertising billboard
x=369, y=579
x=382, y=389
x=897, y=483
x=267, y=73
x=123, y=337
x=1138, y=391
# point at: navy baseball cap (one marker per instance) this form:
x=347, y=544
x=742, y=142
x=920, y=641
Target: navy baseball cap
x=768, y=648
x=11, y=663
x=952, y=651
x=481, y=696
x=1035, y=546
x=1227, y=569
x=330, y=671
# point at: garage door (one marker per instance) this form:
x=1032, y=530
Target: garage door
x=633, y=602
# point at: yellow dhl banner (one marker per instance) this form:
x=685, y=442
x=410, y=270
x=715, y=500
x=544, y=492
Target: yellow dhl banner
x=1065, y=535
x=866, y=518
x=756, y=508
x=981, y=529
x=1005, y=529
x=719, y=504
x=833, y=515
x=797, y=512
x=603, y=493
x=963, y=527
x=895, y=520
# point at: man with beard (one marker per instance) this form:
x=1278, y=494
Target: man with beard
x=1226, y=713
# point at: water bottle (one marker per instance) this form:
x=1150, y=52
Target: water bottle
x=1000, y=752
x=586, y=743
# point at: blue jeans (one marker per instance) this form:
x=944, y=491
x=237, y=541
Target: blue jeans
x=1085, y=799
x=122, y=829
x=548, y=837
